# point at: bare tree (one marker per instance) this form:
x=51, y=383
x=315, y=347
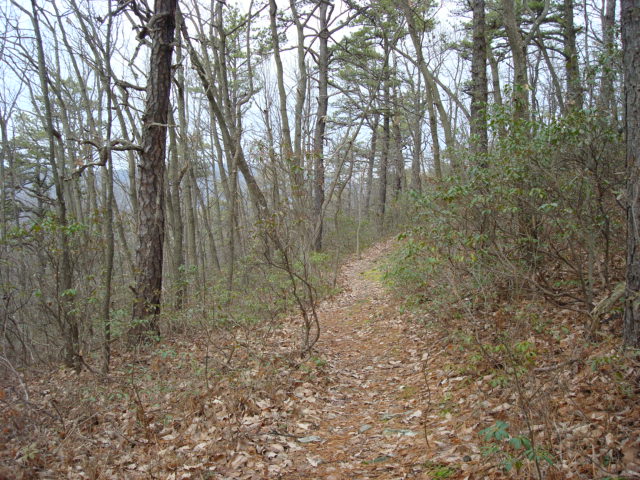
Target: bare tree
x=67, y=318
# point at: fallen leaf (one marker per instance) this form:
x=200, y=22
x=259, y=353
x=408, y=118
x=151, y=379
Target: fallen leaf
x=364, y=428
x=399, y=431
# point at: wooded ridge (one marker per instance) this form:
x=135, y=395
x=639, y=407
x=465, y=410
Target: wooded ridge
x=320, y=238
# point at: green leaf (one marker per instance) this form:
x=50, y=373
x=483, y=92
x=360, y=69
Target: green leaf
x=516, y=443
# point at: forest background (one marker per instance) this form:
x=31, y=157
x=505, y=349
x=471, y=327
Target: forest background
x=490, y=138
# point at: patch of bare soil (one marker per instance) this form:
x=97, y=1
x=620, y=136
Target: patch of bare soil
x=387, y=394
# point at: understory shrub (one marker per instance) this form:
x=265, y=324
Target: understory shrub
x=539, y=215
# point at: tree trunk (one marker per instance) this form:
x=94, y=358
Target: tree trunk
x=301, y=87
x=321, y=123
x=191, y=226
x=109, y=209
x=557, y=89
x=287, y=150
x=65, y=286
x=496, y=89
x=574, y=88
x=371, y=161
x=630, y=15
x=397, y=141
x=384, y=156
x=4, y=153
x=607, y=98
x=479, y=93
x=177, y=222
x=433, y=129
x=519, y=53
x=416, y=160
x=433, y=96
x=148, y=271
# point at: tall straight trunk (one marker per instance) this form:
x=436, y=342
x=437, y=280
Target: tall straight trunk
x=630, y=15
x=232, y=209
x=126, y=251
x=204, y=203
x=495, y=77
x=108, y=225
x=607, y=98
x=109, y=256
x=587, y=35
x=321, y=123
x=496, y=87
x=176, y=174
x=384, y=154
x=4, y=154
x=65, y=117
x=216, y=204
x=184, y=153
x=149, y=255
x=178, y=165
x=68, y=320
x=575, y=98
x=479, y=92
x=273, y=164
x=301, y=86
x=371, y=162
x=435, y=136
x=557, y=88
x=192, y=226
x=433, y=95
x=416, y=158
x=136, y=135
x=230, y=137
x=445, y=121
x=416, y=121
x=520, y=97
x=219, y=159
x=293, y=163
x=131, y=155
x=399, y=157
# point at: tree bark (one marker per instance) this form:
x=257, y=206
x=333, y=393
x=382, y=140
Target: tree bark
x=320, y=127
x=371, y=162
x=479, y=93
x=66, y=292
x=399, y=166
x=574, y=89
x=433, y=95
x=109, y=209
x=384, y=154
x=557, y=89
x=287, y=150
x=433, y=129
x=303, y=78
x=174, y=202
x=630, y=16
x=519, y=54
x=148, y=271
x=607, y=97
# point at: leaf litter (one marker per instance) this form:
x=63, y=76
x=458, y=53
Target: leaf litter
x=397, y=395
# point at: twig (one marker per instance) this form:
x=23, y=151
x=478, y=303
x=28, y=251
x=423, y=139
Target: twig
x=17, y=375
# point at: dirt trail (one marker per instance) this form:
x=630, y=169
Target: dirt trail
x=367, y=422
x=387, y=394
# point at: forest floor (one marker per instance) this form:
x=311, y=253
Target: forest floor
x=389, y=393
